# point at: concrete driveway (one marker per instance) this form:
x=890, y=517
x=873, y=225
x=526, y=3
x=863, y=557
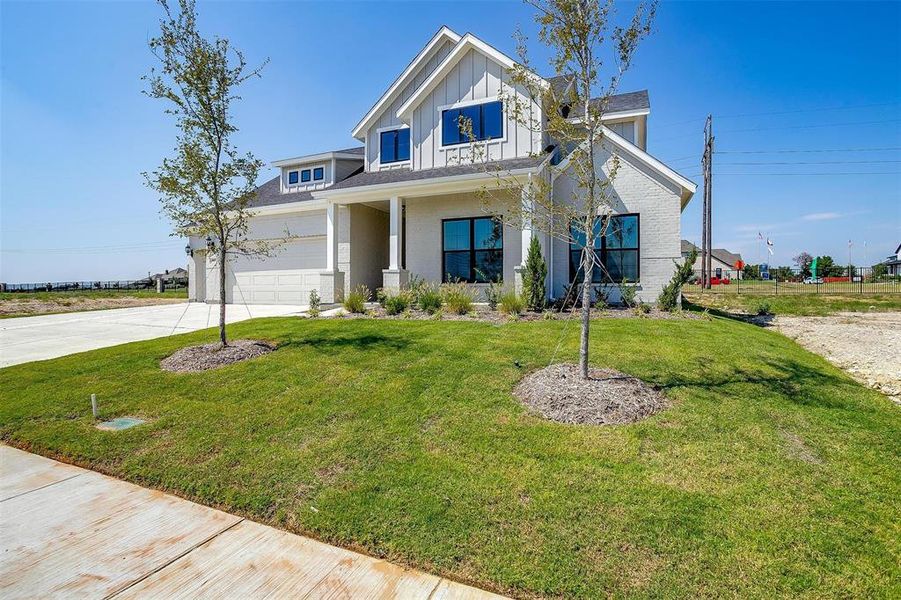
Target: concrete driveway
x=25, y=339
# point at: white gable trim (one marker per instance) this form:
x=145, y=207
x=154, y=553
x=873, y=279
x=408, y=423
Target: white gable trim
x=444, y=34
x=688, y=187
x=467, y=43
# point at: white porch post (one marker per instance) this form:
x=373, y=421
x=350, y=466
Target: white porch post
x=527, y=207
x=331, y=281
x=395, y=277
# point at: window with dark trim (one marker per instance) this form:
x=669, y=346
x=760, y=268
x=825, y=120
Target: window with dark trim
x=472, y=250
x=394, y=145
x=318, y=174
x=617, y=251
x=305, y=176
x=487, y=123
x=292, y=177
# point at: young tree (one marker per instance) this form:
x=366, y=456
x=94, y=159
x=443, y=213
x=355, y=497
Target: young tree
x=803, y=261
x=590, y=53
x=534, y=275
x=206, y=186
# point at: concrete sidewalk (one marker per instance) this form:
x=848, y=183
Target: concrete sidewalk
x=70, y=532
x=25, y=339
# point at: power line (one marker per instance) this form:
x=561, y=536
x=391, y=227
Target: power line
x=815, y=162
x=883, y=149
x=806, y=174
x=779, y=112
x=812, y=126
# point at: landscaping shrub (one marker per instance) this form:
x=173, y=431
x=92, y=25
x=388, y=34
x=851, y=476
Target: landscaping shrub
x=627, y=294
x=533, y=277
x=642, y=309
x=493, y=293
x=396, y=303
x=381, y=296
x=428, y=299
x=761, y=308
x=315, y=304
x=356, y=300
x=672, y=291
x=458, y=297
x=511, y=303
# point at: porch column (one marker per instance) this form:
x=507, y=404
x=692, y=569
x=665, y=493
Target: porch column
x=395, y=278
x=527, y=207
x=331, y=281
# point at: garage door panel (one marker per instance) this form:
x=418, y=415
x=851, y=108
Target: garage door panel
x=286, y=278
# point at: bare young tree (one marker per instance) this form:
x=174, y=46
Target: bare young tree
x=583, y=39
x=207, y=185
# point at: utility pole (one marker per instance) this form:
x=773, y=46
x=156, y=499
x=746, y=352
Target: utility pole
x=707, y=220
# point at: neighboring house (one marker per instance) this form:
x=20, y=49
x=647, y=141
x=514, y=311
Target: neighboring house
x=169, y=276
x=722, y=261
x=893, y=262
x=405, y=203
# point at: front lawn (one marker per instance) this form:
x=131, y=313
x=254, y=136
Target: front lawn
x=772, y=474
x=26, y=304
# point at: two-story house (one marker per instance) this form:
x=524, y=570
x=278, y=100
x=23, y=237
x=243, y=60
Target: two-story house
x=406, y=202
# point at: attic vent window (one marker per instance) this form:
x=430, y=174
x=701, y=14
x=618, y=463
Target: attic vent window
x=292, y=177
x=318, y=174
x=305, y=176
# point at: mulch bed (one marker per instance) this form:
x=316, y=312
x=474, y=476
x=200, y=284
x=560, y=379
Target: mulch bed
x=607, y=397
x=212, y=356
x=481, y=312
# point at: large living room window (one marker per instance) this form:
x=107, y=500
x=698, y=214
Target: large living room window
x=487, y=123
x=394, y=145
x=617, y=251
x=473, y=250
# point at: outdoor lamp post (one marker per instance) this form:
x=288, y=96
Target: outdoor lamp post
x=188, y=250
x=210, y=244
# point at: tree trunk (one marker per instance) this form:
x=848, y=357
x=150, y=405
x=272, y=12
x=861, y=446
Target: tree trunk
x=222, y=337
x=587, y=269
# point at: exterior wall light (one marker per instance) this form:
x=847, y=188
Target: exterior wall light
x=210, y=244
x=189, y=250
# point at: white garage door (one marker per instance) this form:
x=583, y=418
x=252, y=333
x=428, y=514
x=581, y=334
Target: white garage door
x=286, y=278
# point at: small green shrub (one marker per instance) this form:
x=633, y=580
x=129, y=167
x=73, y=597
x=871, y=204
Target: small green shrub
x=627, y=294
x=356, y=300
x=511, y=303
x=642, y=309
x=533, y=277
x=428, y=299
x=548, y=315
x=601, y=296
x=761, y=308
x=672, y=291
x=315, y=304
x=396, y=303
x=493, y=293
x=381, y=296
x=458, y=297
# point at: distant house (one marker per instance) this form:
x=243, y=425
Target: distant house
x=721, y=260
x=893, y=262
x=168, y=276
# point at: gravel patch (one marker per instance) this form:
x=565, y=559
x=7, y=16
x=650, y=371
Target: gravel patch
x=866, y=345
x=212, y=356
x=607, y=397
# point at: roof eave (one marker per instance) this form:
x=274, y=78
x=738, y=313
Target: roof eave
x=287, y=162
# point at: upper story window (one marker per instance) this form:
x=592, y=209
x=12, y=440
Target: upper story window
x=305, y=176
x=473, y=250
x=292, y=177
x=394, y=145
x=616, y=251
x=486, y=120
x=318, y=174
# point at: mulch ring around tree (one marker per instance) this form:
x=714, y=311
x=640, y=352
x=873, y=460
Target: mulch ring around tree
x=212, y=356
x=607, y=397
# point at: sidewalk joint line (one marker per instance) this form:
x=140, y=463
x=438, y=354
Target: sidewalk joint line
x=43, y=486
x=175, y=559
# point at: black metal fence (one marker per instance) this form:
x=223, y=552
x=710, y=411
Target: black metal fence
x=789, y=280
x=149, y=284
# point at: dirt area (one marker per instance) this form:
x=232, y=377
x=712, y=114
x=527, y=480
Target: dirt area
x=867, y=345
x=212, y=356
x=607, y=397
x=26, y=307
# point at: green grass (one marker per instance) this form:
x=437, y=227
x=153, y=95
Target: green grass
x=796, y=305
x=772, y=474
x=88, y=294
x=26, y=304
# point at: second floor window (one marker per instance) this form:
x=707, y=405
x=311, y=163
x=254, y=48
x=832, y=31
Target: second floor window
x=394, y=145
x=486, y=121
x=318, y=174
x=292, y=177
x=305, y=176
x=473, y=250
x=616, y=251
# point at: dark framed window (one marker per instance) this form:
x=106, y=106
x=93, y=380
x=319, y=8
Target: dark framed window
x=487, y=123
x=318, y=174
x=617, y=251
x=305, y=176
x=292, y=177
x=472, y=250
x=394, y=145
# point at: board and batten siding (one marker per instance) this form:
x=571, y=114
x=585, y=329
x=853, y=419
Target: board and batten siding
x=388, y=116
x=475, y=77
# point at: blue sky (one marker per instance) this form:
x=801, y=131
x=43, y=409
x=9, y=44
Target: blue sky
x=76, y=132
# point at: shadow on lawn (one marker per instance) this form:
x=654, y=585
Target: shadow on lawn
x=366, y=341
x=759, y=320
x=795, y=381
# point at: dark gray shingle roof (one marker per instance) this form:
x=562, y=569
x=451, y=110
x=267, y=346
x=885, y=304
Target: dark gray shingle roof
x=355, y=150
x=270, y=193
x=721, y=254
x=402, y=175
x=617, y=103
